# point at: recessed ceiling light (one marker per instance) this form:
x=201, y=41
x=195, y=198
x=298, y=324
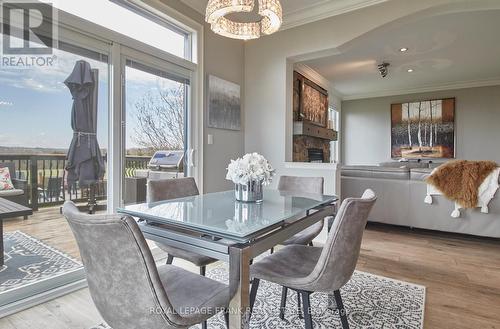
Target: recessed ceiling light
x=410, y=70
x=404, y=49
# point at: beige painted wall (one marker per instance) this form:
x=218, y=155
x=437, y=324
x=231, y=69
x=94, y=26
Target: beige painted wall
x=224, y=58
x=367, y=125
x=269, y=65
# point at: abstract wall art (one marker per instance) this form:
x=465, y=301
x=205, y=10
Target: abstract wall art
x=224, y=104
x=423, y=129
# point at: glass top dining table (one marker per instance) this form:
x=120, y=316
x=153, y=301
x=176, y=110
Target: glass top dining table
x=218, y=226
x=219, y=214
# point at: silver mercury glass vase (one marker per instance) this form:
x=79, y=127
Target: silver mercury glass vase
x=249, y=192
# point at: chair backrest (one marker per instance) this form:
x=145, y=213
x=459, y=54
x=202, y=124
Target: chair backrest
x=341, y=251
x=312, y=185
x=122, y=276
x=11, y=166
x=166, y=189
x=54, y=186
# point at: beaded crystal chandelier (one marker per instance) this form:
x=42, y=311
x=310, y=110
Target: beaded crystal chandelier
x=269, y=10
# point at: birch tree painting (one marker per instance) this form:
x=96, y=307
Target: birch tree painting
x=423, y=129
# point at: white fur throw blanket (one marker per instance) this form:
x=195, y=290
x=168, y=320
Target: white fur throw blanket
x=486, y=192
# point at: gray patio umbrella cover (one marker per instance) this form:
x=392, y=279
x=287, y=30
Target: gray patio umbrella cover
x=84, y=161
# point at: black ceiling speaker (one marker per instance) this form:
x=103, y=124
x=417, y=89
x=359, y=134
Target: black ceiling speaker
x=383, y=69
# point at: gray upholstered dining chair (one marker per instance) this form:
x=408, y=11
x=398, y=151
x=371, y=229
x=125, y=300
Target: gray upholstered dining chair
x=312, y=185
x=308, y=269
x=126, y=286
x=167, y=189
x=308, y=185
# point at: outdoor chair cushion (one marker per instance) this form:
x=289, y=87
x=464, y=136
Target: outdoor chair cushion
x=5, y=180
x=11, y=192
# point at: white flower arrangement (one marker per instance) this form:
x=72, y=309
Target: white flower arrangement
x=251, y=167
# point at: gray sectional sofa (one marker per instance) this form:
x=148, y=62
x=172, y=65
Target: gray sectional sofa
x=401, y=190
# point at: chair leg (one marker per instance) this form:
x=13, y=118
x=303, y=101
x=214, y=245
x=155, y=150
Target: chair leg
x=272, y=251
x=203, y=270
x=204, y=325
x=307, y=309
x=170, y=259
x=226, y=317
x=253, y=294
x=342, y=311
x=284, y=293
x=299, y=306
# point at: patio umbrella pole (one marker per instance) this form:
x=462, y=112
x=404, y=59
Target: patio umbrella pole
x=85, y=162
x=92, y=203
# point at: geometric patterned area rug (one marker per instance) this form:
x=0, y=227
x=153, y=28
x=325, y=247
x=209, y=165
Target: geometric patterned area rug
x=28, y=260
x=371, y=302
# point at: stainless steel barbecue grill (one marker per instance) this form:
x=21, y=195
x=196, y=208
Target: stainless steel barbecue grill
x=163, y=165
x=169, y=161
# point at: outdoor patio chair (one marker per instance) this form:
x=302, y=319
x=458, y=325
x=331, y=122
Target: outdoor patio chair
x=20, y=192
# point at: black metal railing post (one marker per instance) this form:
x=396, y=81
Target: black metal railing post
x=33, y=174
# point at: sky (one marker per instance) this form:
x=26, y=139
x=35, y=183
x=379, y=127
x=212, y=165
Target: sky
x=35, y=105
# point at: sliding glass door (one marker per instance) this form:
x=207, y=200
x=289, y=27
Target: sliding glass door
x=156, y=117
x=36, y=113
x=145, y=95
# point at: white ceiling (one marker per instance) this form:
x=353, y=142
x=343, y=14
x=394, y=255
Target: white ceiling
x=445, y=51
x=299, y=12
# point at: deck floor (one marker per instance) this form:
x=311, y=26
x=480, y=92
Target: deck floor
x=462, y=274
x=49, y=226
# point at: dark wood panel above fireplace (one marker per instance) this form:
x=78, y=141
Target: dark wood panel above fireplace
x=311, y=129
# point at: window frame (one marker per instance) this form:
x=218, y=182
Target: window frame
x=94, y=35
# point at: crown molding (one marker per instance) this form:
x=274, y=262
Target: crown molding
x=324, y=9
x=425, y=89
x=312, y=75
x=308, y=14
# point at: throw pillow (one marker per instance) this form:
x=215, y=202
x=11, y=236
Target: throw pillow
x=5, y=180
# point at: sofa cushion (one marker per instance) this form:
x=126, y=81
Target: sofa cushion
x=411, y=164
x=420, y=174
x=12, y=192
x=5, y=180
x=375, y=172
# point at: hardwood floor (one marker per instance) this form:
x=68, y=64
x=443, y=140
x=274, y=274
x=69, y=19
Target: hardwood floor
x=462, y=276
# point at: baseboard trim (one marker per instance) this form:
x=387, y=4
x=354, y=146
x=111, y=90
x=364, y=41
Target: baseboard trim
x=402, y=228
x=41, y=298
